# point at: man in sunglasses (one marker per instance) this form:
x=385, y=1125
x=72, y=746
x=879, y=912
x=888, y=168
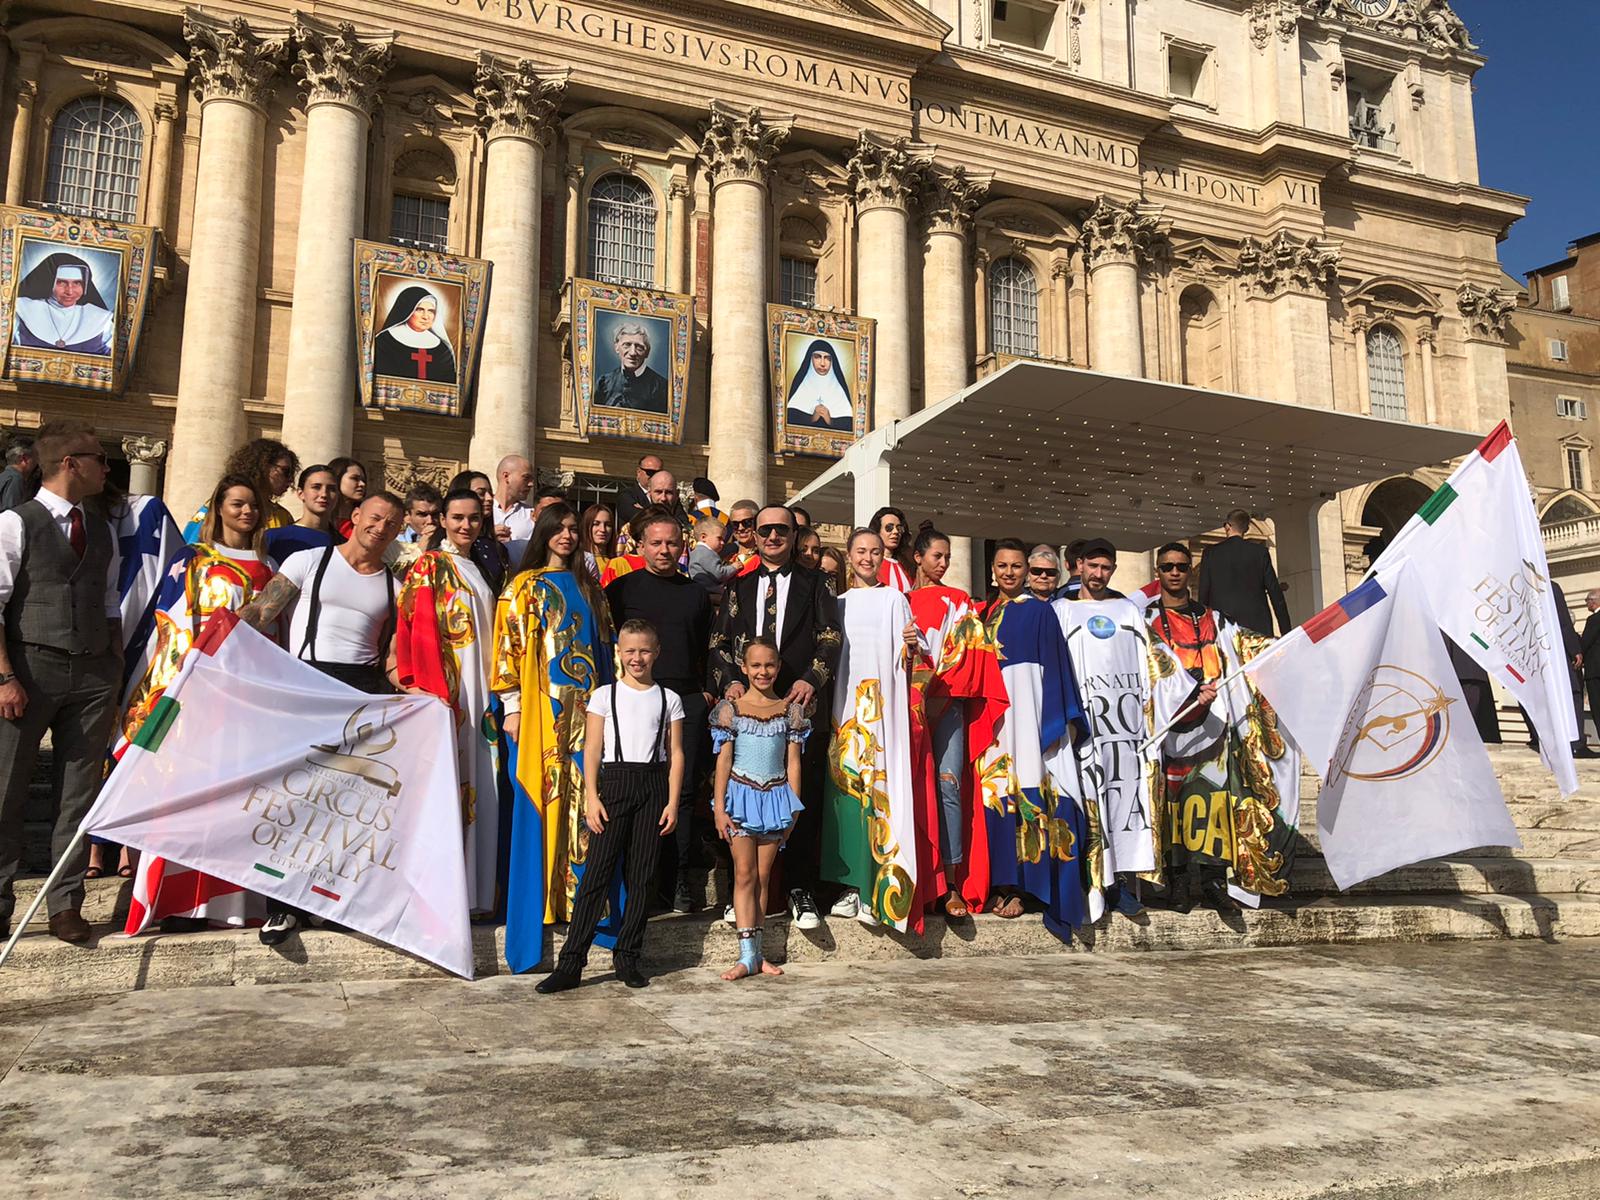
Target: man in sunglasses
x=790, y=603
x=60, y=658
x=1231, y=782
x=1044, y=572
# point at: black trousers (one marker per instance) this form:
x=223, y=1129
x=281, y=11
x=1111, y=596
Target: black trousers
x=634, y=796
x=696, y=754
x=802, y=856
x=1593, y=686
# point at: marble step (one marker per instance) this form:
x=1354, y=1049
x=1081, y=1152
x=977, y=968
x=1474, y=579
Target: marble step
x=43, y=968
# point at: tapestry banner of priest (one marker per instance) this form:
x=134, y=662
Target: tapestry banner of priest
x=76, y=289
x=418, y=315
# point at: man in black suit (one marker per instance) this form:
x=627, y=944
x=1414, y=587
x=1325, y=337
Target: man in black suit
x=790, y=602
x=635, y=498
x=1237, y=579
x=1589, y=652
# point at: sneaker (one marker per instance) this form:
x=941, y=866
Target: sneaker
x=277, y=928
x=682, y=902
x=803, y=910
x=847, y=905
x=727, y=915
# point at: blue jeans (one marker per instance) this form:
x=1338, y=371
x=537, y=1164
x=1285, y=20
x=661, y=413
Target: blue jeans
x=950, y=759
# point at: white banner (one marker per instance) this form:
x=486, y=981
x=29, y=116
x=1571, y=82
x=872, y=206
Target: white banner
x=258, y=769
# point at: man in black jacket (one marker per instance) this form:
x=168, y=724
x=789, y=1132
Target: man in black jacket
x=634, y=498
x=1589, y=650
x=789, y=602
x=1237, y=579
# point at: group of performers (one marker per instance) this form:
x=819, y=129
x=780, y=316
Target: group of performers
x=1066, y=753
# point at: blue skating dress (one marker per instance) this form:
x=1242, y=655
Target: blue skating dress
x=759, y=800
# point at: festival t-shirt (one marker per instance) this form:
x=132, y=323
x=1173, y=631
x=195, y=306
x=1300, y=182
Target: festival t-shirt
x=639, y=713
x=355, y=608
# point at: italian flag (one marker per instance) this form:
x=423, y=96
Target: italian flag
x=1480, y=556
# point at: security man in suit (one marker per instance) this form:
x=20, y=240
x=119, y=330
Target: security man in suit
x=1237, y=579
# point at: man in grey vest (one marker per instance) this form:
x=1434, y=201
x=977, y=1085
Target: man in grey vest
x=60, y=657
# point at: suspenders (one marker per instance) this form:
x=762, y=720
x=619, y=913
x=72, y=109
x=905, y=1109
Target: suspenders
x=313, y=618
x=658, y=752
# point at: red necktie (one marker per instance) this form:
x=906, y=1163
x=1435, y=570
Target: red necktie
x=75, y=532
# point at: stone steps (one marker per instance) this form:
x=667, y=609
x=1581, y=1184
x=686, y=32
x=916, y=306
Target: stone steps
x=42, y=967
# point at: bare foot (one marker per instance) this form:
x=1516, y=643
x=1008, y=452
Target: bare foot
x=770, y=968
x=737, y=971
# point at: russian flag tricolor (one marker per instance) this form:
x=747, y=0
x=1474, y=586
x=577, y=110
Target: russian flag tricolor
x=1341, y=612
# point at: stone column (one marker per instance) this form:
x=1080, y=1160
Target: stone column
x=235, y=68
x=144, y=463
x=1116, y=236
x=517, y=107
x=1287, y=280
x=1061, y=276
x=1310, y=544
x=161, y=165
x=949, y=199
x=736, y=153
x=677, y=234
x=980, y=300
x=573, y=174
x=1487, y=315
x=1426, y=339
x=342, y=71
x=21, y=132
x=886, y=173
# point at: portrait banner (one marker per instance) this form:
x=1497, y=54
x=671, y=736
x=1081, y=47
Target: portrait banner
x=419, y=314
x=74, y=291
x=821, y=371
x=630, y=360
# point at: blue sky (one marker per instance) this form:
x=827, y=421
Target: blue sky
x=1538, y=109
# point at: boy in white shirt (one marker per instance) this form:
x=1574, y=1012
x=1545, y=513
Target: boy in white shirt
x=632, y=774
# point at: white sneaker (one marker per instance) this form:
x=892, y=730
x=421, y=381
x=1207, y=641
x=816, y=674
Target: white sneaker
x=727, y=915
x=847, y=905
x=803, y=910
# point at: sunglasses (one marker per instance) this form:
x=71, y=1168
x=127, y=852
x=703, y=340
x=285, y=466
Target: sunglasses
x=97, y=455
x=1043, y=571
x=772, y=531
x=1173, y=566
x=743, y=523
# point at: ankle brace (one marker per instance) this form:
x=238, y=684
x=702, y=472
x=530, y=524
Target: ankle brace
x=750, y=949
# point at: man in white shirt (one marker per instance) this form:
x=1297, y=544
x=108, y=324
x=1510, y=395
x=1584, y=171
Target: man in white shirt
x=60, y=658
x=513, y=519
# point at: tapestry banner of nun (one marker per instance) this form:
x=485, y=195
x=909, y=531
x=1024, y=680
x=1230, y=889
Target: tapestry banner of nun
x=74, y=291
x=630, y=360
x=418, y=317
x=821, y=379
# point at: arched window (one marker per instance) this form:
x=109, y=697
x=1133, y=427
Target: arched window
x=96, y=145
x=1014, y=308
x=622, y=232
x=1386, y=373
x=1200, y=318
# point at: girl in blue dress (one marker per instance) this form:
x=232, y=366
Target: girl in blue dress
x=757, y=740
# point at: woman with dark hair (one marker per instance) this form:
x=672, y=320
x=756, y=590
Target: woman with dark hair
x=808, y=547
x=410, y=342
x=223, y=570
x=819, y=396
x=443, y=644
x=352, y=477
x=552, y=647
x=890, y=524
x=957, y=698
x=1032, y=837
x=597, y=538
x=830, y=561
x=488, y=551
x=318, y=489
x=271, y=467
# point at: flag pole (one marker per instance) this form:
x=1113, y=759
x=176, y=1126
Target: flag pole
x=1155, y=738
x=44, y=890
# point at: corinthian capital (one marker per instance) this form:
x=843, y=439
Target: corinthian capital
x=887, y=172
x=230, y=60
x=142, y=448
x=518, y=99
x=1285, y=263
x=950, y=195
x=339, y=65
x=740, y=143
x=1120, y=233
x=1487, y=310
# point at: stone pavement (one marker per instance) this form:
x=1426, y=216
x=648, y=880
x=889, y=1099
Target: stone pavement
x=1465, y=1071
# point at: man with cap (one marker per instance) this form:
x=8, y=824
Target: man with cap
x=705, y=501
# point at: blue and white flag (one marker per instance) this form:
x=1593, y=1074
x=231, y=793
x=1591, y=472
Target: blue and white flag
x=150, y=542
x=1366, y=690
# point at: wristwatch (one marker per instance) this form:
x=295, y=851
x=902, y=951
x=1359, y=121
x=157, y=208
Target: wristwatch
x=6, y=677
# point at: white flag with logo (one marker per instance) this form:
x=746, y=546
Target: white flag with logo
x=1478, y=550
x=1366, y=690
x=260, y=770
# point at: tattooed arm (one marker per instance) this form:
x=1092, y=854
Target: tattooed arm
x=270, y=602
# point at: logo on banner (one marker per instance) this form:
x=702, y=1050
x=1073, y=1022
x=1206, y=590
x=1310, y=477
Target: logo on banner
x=1102, y=627
x=1509, y=614
x=1400, y=723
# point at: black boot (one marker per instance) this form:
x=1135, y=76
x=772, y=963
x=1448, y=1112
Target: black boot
x=630, y=974
x=558, y=981
x=1215, y=890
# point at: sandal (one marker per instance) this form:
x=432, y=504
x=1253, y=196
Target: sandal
x=125, y=872
x=955, y=906
x=1011, y=909
x=94, y=873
